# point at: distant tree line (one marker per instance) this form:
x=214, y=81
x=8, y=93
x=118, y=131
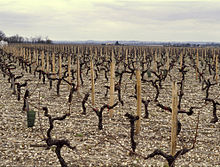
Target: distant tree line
x=19, y=39
x=182, y=45
x=212, y=44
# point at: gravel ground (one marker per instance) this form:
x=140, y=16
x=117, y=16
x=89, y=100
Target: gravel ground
x=103, y=148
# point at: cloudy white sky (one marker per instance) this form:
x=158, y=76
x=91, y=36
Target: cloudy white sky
x=145, y=20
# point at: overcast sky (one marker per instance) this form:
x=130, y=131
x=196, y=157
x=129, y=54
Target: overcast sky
x=144, y=20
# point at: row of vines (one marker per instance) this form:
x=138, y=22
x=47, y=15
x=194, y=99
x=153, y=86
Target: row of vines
x=151, y=103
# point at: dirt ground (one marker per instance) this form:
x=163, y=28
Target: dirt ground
x=110, y=146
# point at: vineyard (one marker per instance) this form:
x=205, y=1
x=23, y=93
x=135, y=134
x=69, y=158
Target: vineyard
x=92, y=105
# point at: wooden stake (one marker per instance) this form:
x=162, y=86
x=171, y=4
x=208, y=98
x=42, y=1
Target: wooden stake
x=112, y=84
x=168, y=61
x=216, y=68
x=47, y=59
x=42, y=61
x=100, y=52
x=29, y=57
x=78, y=74
x=174, y=119
x=135, y=54
x=138, y=123
x=37, y=62
x=92, y=82
x=24, y=52
x=126, y=56
x=96, y=53
x=53, y=65
x=155, y=62
x=144, y=56
x=60, y=66
x=202, y=58
x=69, y=71
x=181, y=60
x=197, y=63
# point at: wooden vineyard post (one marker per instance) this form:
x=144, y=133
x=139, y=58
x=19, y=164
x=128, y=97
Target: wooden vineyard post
x=135, y=54
x=78, y=75
x=53, y=65
x=138, y=123
x=216, y=68
x=42, y=61
x=96, y=53
x=126, y=56
x=47, y=61
x=92, y=82
x=112, y=84
x=174, y=118
x=181, y=60
x=168, y=61
x=202, y=58
x=30, y=61
x=155, y=62
x=27, y=55
x=100, y=52
x=37, y=62
x=78, y=50
x=34, y=59
x=159, y=55
x=171, y=51
x=60, y=66
x=144, y=56
x=69, y=71
x=197, y=63
x=24, y=56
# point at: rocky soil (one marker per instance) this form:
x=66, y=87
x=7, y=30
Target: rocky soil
x=110, y=146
